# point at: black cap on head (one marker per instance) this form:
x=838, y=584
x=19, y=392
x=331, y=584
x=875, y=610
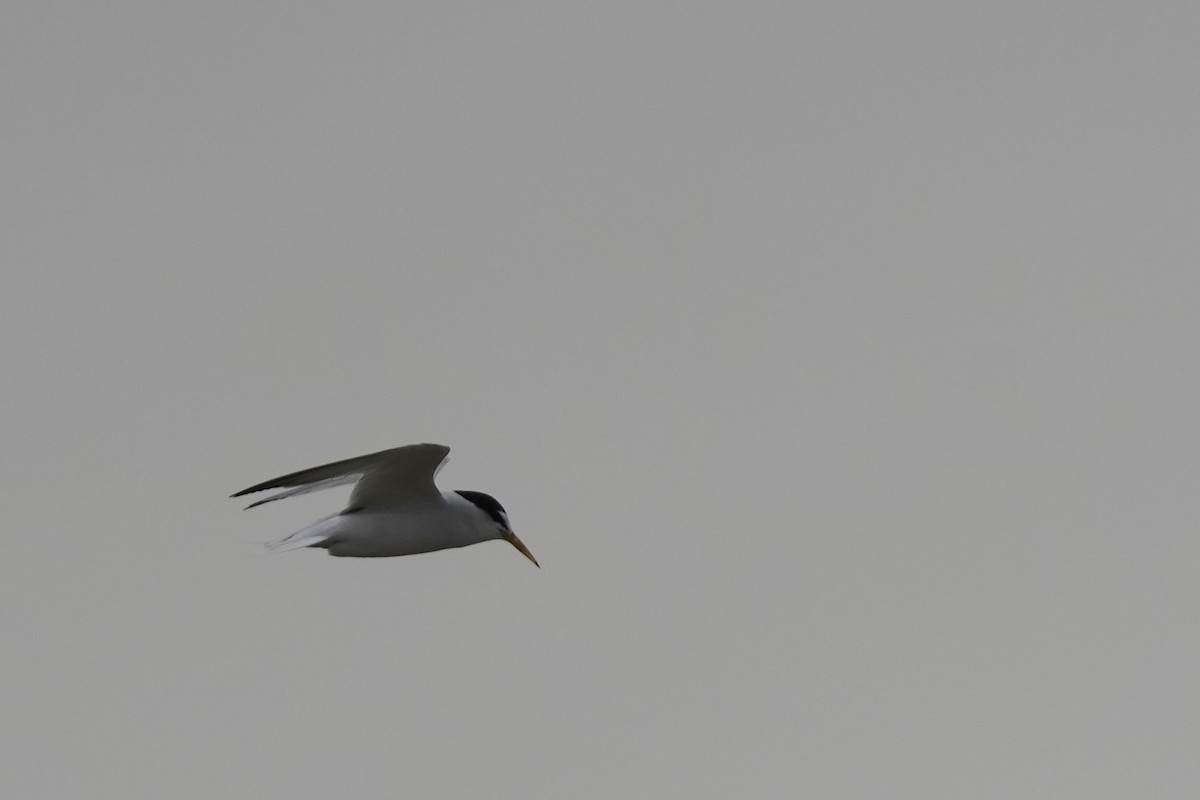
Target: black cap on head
x=488, y=505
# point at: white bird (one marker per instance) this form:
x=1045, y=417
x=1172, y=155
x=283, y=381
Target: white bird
x=395, y=508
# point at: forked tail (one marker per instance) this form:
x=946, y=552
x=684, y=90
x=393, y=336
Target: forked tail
x=315, y=535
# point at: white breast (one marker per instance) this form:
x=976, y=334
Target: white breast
x=454, y=522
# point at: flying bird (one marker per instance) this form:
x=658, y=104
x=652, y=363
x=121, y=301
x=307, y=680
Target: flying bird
x=395, y=508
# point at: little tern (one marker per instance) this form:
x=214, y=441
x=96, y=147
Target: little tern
x=395, y=508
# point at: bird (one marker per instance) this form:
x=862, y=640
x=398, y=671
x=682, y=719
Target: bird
x=395, y=508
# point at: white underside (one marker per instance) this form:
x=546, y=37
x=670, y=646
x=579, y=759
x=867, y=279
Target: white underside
x=452, y=522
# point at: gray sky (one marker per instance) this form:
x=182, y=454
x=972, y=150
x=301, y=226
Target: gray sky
x=837, y=360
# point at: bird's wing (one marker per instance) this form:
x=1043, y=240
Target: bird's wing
x=315, y=486
x=389, y=477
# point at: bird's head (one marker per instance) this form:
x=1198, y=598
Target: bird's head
x=499, y=517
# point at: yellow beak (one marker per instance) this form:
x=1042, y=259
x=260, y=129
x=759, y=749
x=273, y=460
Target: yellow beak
x=512, y=539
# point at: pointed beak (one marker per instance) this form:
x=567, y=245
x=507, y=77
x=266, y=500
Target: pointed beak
x=512, y=539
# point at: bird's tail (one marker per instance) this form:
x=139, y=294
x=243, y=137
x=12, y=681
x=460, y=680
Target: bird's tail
x=315, y=535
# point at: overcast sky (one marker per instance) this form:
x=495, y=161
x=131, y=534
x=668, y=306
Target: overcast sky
x=838, y=361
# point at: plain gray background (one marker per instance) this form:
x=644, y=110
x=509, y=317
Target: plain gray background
x=837, y=360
